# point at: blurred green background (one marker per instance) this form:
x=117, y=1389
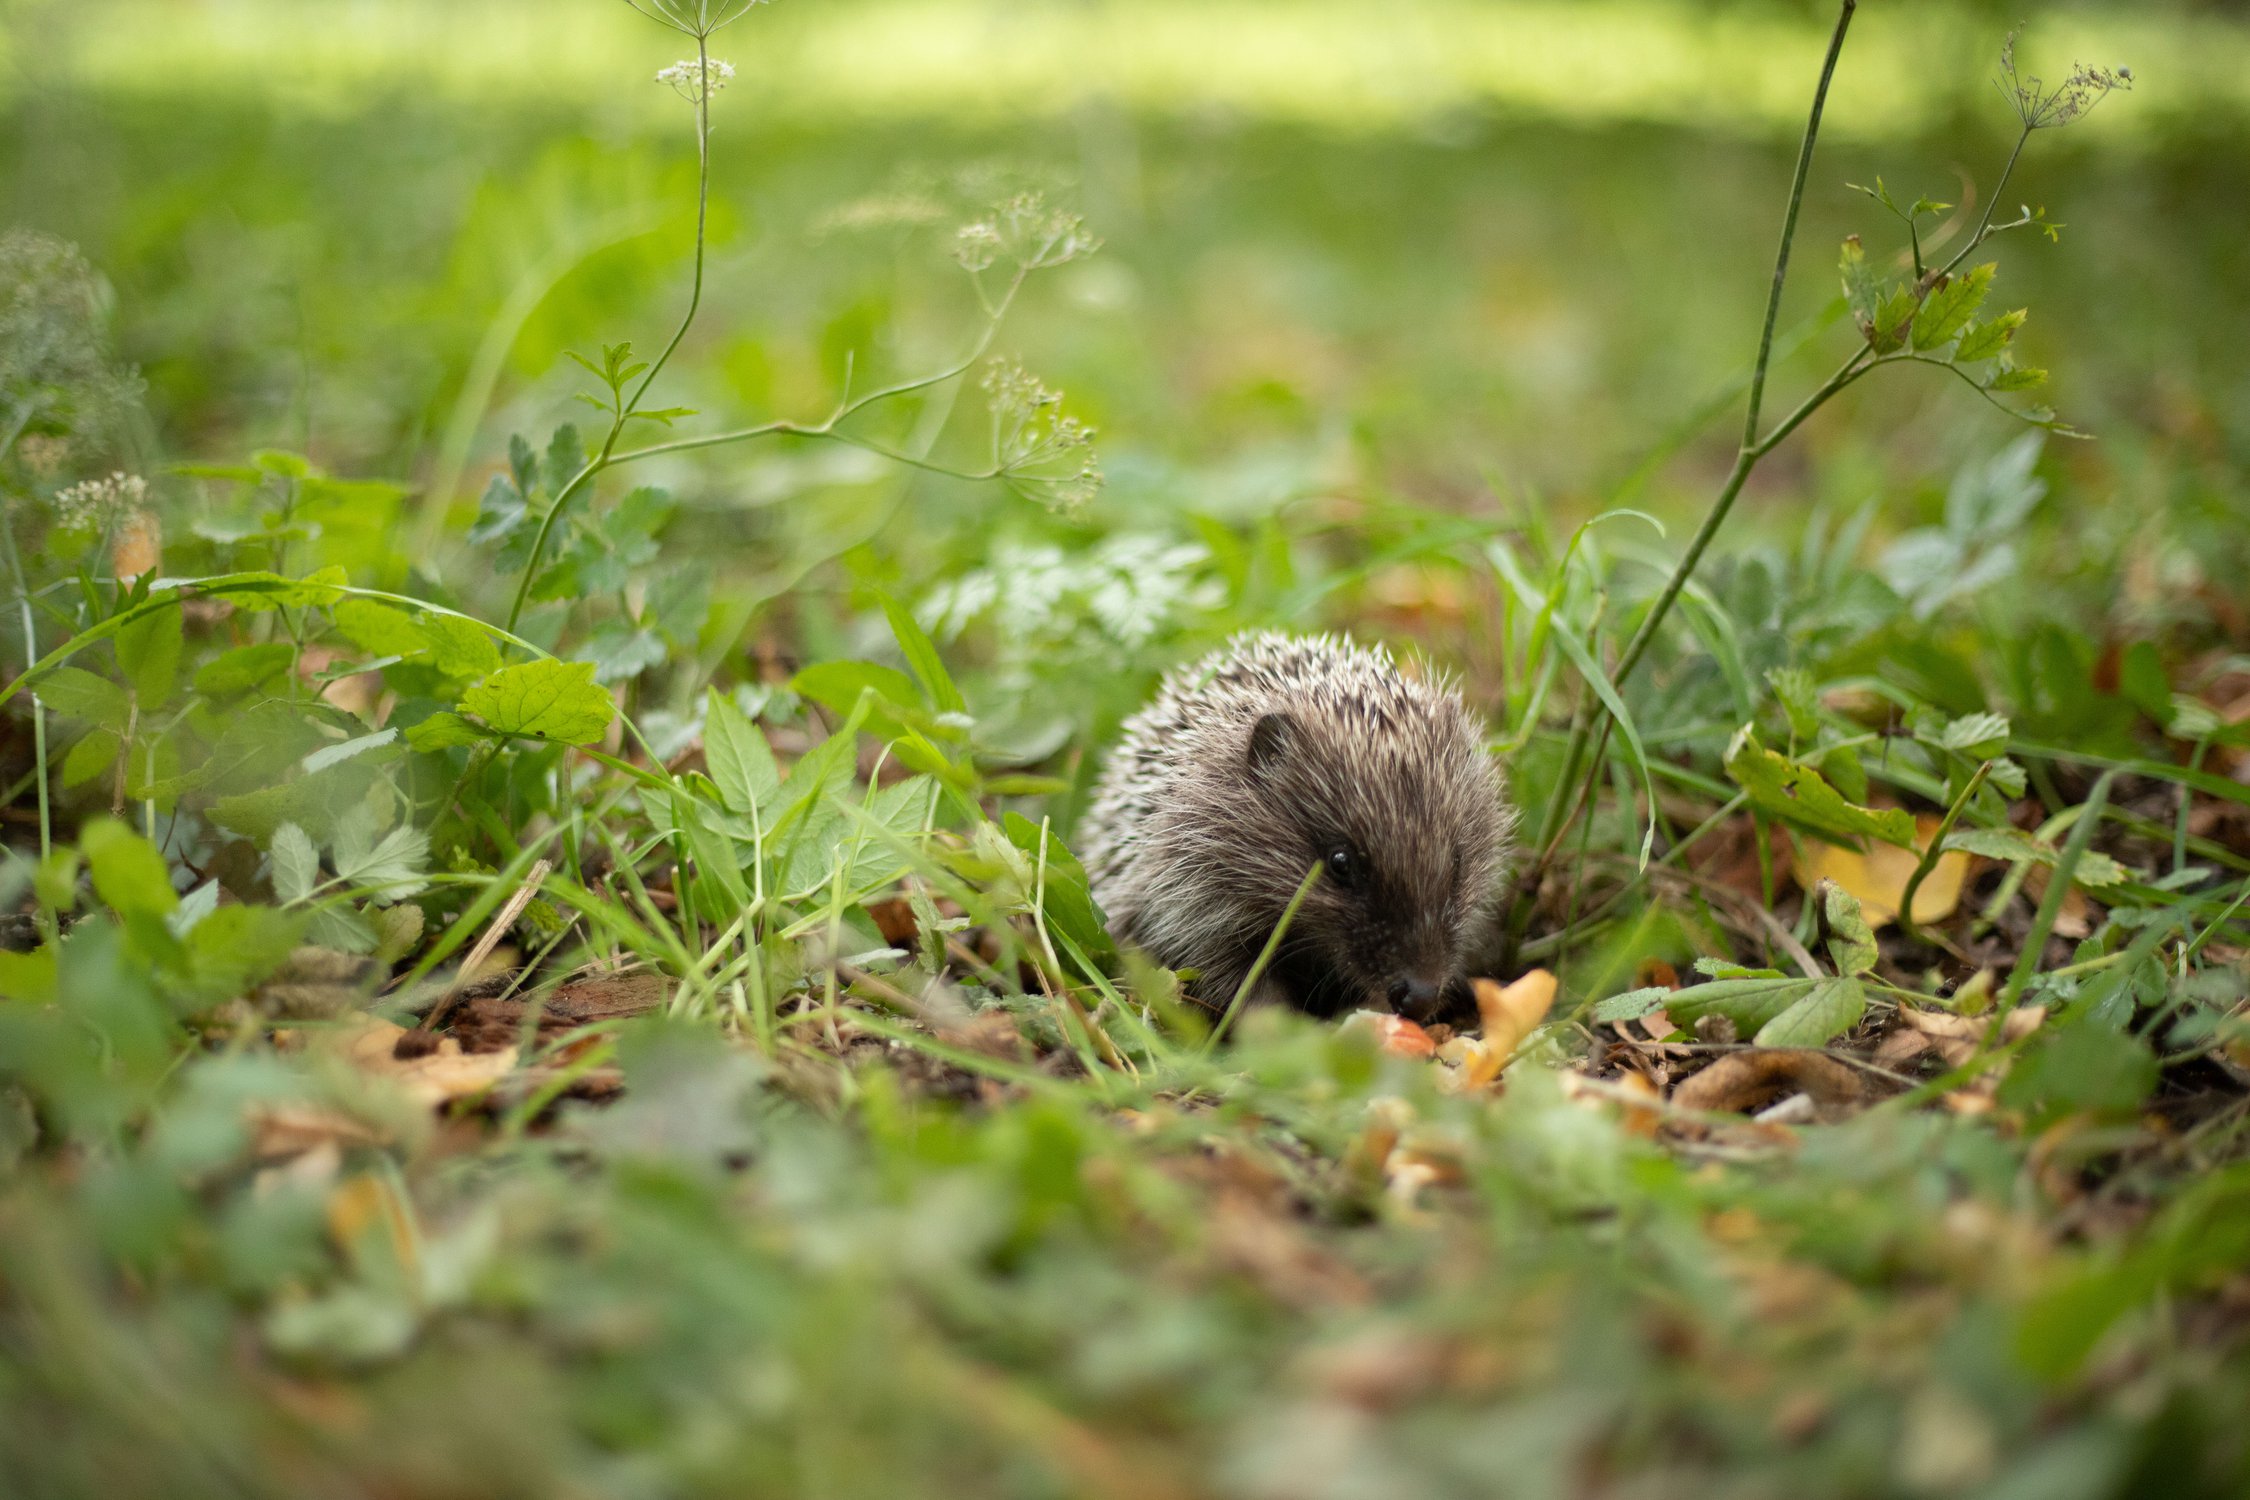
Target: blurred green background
x=1464, y=255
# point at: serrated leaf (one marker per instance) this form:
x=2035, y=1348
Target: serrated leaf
x=295, y=863
x=1632, y=1004
x=2007, y=778
x=566, y=455
x=1892, y=321
x=1989, y=340
x=740, y=761
x=79, y=694
x=380, y=629
x=1831, y=1009
x=458, y=647
x=2014, y=846
x=1948, y=309
x=1794, y=791
x=2020, y=378
x=546, y=700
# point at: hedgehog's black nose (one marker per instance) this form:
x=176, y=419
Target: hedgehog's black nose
x=1416, y=999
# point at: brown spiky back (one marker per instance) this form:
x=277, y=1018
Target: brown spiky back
x=1197, y=840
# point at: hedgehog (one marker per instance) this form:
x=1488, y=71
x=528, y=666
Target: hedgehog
x=1273, y=755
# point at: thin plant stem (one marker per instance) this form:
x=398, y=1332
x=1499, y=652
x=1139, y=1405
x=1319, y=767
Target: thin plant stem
x=1752, y=449
x=2050, y=906
x=1930, y=855
x=1265, y=958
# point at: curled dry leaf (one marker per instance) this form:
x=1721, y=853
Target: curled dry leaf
x=1744, y=1082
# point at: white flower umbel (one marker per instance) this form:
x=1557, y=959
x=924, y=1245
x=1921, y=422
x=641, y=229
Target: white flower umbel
x=695, y=81
x=94, y=504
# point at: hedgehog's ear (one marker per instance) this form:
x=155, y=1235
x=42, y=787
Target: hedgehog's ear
x=1269, y=740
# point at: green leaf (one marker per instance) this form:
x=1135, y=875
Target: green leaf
x=2023, y=378
x=460, y=648
x=148, y=648
x=235, y=947
x=1845, y=772
x=1749, y=1003
x=379, y=629
x=1948, y=309
x=1851, y=942
x=313, y=802
x=91, y=757
x=1069, y=904
x=1978, y=736
x=1892, y=321
x=129, y=875
x=922, y=656
x=838, y=685
x=1793, y=689
x=715, y=857
x=736, y=754
x=566, y=455
x=336, y=754
x=1831, y=1009
x=295, y=863
x=78, y=694
x=1861, y=287
x=1989, y=340
x=1796, y=792
x=244, y=669
x=1632, y=1004
x=2095, y=870
x=322, y=589
x=443, y=731
x=546, y=700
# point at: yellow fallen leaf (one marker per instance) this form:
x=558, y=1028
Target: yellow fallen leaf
x=1878, y=877
x=1512, y=1012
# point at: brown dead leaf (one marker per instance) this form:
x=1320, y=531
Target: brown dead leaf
x=488, y=1023
x=1878, y=878
x=433, y=1079
x=1640, y=1119
x=1743, y=1082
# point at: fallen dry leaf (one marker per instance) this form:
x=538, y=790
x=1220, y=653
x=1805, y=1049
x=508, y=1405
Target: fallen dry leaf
x=435, y=1078
x=1512, y=1012
x=1468, y=1063
x=1878, y=878
x=1742, y=1082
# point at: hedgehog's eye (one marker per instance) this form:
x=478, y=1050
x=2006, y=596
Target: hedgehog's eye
x=1345, y=866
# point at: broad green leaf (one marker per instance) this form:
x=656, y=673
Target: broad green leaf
x=443, y=731
x=235, y=947
x=1851, y=941
x=1749, y=1003
x=715, y=857
x=129, y=875
x=2095, y=869
x=1893, y=319
x=93, y=756
x=380, y=629
x=460, y=648
x=295, y=862
x=313, y=802
x=547, y=700
x=1845, y=772
x=148, y=648
x=244, y=669
x=1833, y=1008
x=1948, y=309
x=838, y=685
x=389, y=869
x=736, y=754
x=79, y=694
x=2021, y=379
x=1989, y=340
x=1069, y=903
x=1796, y=792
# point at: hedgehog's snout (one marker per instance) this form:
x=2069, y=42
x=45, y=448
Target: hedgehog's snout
x=1417, y=998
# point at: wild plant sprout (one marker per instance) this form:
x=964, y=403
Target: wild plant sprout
x=1044, y=455
x=1927, y=317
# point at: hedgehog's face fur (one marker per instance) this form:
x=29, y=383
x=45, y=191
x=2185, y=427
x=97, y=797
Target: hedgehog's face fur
x=1403, y=815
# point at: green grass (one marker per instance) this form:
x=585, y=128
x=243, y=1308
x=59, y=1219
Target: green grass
x=912, y=1184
